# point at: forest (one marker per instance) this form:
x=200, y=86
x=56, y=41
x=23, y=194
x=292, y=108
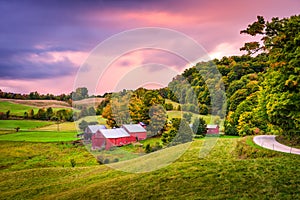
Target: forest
x=262, y=86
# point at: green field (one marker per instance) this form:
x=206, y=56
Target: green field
x=39, y=136
x=178, y=114
x=233, y=170
x=71, y=126
x=23, y=124
x=97, y=118
x=16, y=109
x=19, y=109
x=25, y=155
x=65, y=126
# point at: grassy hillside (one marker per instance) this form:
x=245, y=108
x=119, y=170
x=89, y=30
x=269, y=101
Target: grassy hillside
x=39, y=136
x=23, y=124
x=16, y=109
x=39, y=103
x=26, y=155
x=233, y=170
x=65, y=126
x=88, y=102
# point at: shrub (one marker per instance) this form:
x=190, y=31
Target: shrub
x=73, y=162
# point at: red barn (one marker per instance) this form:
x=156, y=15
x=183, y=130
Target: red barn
x=91, y=130
x=136, y=130
x=107, y=138
x=212, y=129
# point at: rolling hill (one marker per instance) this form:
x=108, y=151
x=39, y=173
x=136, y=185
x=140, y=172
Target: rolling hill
x=234, y=169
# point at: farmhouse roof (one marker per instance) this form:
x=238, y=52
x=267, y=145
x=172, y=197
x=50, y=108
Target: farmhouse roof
x=212, y=126
x=142, y=123
x=134, y=128
x=114, y=133
x=95, y=128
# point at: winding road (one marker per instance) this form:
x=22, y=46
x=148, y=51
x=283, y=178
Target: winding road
x=269, y=142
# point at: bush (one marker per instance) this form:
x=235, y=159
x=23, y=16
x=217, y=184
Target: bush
x=73, y=162
x=148, y=148
x=169, y=106
x=198, y=136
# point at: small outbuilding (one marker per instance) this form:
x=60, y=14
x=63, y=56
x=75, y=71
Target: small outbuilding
x=212, y=129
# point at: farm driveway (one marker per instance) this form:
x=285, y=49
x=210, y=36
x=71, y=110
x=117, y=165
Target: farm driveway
x=269, y=142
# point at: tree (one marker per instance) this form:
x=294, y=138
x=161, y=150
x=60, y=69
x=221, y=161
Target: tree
x=31, y=114
x=80, y=93
x=49, y=113
x=187, y=117
x=25, y=115
x=83, y=124
x=41, y=114
x=180, y=132
x=158, y=117
x=91, y=111
x=199, y=126
x=148, y=148
x=280, y=87
x=184, y=134
x=7, y=114
x=169, y=106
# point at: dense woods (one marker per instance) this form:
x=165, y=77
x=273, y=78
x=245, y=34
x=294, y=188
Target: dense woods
x=262, y=86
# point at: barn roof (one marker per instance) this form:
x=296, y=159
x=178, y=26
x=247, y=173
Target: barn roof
x=95, y=128
x=212, y=126
x=114, y=133
x=134, y=128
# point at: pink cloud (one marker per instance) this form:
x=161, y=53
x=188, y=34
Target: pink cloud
x=213, y=24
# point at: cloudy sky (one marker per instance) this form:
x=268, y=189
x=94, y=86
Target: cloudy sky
x=44, y=45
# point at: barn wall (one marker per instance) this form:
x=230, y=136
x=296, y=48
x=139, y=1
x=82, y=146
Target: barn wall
x=139, y=135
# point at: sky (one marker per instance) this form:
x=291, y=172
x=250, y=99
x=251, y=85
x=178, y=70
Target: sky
x=46, y=46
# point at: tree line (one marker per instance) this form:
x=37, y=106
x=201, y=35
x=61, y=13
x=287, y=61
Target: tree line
x=262, y=86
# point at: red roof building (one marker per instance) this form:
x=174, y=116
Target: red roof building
x=107, y=138
x=136, y=130
x=212, y=129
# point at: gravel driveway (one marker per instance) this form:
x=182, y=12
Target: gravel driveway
x=269, y=142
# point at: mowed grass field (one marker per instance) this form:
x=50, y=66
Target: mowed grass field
x=233, y=170
x=23, y=124
x=36, y=131
x=40, y=136
x=27, y=155
x=16, y=109
x=209, y=119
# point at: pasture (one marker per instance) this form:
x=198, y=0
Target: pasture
x=39, y=103
x=232, y=170
x=16, y=109
x=23, y=124
x=40, y=136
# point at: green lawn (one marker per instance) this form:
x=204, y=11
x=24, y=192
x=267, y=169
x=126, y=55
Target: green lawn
x=16, y=109
x=39, y=136
x=178, y=114
x=94, y=118
x=23, y=124
x=27, y=155
x=232, y=170
x=175, y=104
x=65, y=126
